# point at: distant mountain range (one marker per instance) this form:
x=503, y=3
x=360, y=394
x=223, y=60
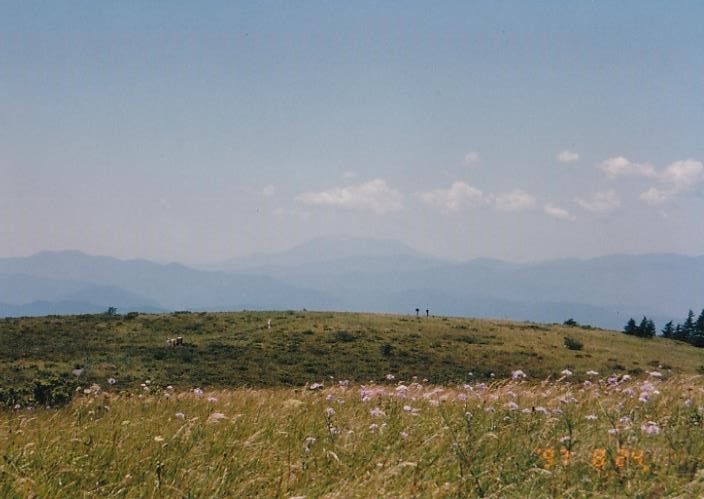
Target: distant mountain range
x=362, y=275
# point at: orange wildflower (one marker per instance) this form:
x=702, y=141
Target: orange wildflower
x=566, y=455
x=622, y=457
x=599, y=458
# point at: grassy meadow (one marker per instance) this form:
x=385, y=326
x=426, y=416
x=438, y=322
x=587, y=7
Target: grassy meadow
x=404, y=438
x=344, y=405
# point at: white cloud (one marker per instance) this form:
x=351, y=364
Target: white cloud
x=684, y=174
x=678, y=177
x=620, y=166
x=600, y=202
x=515, y=201
x=268, y=191
x=460, y=195
x=471, y=158
x=567, y=156
x=556, y=211
x=375, y=196
x=655, y=196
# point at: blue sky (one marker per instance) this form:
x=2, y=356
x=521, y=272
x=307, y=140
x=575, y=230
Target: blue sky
x=203, y=131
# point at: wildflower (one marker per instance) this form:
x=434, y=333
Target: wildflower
x=343, y=382
x=462, y=396
x=599, y=458
x=566, y=439
x=329, y=412
x=197, y=392
x=212, y=399
x=540, y=409
x=688, y=403
x=216, y=417
x=566, y=372
x=626, y=377
x=650, y=428
x=629, y=392
x=111, y=381
x=655, y=374
x=180, y=415
x=566, y=456
x=373, y=427
x=404, y=435
x=625, y=420
x=158, y=438
x=592, y=373
x=170, y=388
x=590, y=417
x=612, y=380
x=334, y=430
x=148, y=382
x=512, y=406
x=377, y=412
x=390, y=377
x=638, y=457
x=613, y=431
x=547, y=455
x=622, y=457
x=315, y=386
x=518, y=374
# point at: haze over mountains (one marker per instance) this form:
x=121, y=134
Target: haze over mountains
x=361, y=275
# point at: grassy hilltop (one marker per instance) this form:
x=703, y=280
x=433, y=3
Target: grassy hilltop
x=238, y=349
x=398, y=436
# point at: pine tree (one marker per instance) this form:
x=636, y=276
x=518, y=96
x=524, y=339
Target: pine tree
x=689, y=328
x=696, y=338
x=668, y=331
x=642, y=327
x=679, y=335
x=630, y=327
x=699, y=325
x=649, y=331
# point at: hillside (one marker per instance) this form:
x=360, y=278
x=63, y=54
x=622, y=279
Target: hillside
x=237, y=349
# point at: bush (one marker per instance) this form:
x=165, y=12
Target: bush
x=344, y=336
x=53, y=391
x=573, y=344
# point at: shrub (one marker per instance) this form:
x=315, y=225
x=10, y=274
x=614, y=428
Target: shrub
x=573, y=344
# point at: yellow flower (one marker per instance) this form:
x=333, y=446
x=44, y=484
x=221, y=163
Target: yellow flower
x=622, y=457
x=599, y=458
x=566, y=455
x=547, y=455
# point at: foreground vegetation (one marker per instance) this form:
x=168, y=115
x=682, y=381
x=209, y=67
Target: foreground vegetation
x=43, y=360
x=610, y=437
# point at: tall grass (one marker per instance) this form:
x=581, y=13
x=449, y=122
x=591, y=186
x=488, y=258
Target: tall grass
x=608, y=437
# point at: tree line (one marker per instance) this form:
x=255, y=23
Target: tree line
x=690, y=331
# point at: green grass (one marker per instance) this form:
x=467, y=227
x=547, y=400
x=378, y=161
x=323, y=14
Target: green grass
x=425, y=441
x=237, y=349
x=261, y=431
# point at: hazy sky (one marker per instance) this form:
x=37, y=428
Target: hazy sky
x=201, y=131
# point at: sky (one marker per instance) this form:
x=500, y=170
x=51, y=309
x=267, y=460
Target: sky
x=204, y=131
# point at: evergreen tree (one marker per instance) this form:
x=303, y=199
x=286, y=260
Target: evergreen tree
x=649, y=331
x=668, y=331
x=679, y=334
x=689, y=328
x=699, y=325
x=696, y=338
x=630, y=327
x=642, y=327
